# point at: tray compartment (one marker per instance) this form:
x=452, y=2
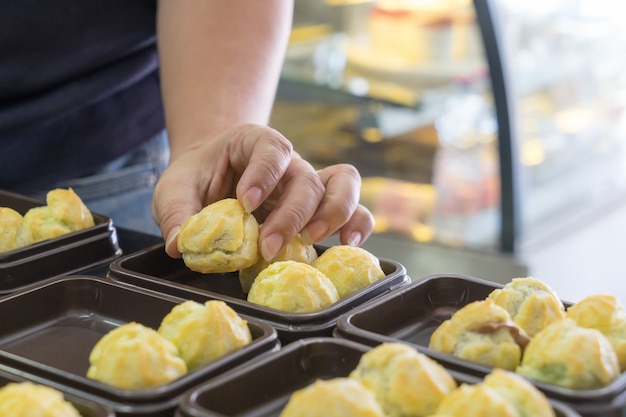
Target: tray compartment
x=55, y=325
x=68, y=254
x=152, y=269
x=245, y=391
x=412, y=313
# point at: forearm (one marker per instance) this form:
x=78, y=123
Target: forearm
x=220, y=63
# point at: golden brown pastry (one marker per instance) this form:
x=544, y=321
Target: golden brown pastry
x=204, y=332
x=350, y=268
x=502, y=393
x=475, y=400
x=570, y=356
x=222, y=237
x=524, y=396
x=296, y=250
x=337, y=397
x=293, y=287
x=481, y=332
x=605, y=313
x=13, y=232
x=135, y=357
x=64, y=213
x=26, y=399
x=531, y=303
x=394, y=370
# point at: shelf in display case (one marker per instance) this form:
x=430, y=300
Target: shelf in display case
x=422, y=75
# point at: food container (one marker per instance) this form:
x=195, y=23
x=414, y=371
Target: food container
x=64, y=255
x=153, y=269
x=85, y=407
x=412, y=313
x=263, y=387
x=49, y=330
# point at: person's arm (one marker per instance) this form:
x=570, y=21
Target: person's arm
x=220, y=63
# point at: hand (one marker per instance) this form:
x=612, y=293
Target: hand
x=258, y=166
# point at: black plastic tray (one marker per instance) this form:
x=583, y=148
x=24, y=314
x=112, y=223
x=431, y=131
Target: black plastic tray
x=49, y=330
x=64, y=255
x=154, y=270
x=411, y=314
x=85, y=407
x=262, y=388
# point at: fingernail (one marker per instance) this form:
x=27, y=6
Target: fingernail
x=354, y=239
x=314, y=232
x=251, y=199
x=270, y=246
x=170, y=240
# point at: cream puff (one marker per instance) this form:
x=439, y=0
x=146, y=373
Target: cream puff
x=205, y=332
x=222, y=237
x=293, y=287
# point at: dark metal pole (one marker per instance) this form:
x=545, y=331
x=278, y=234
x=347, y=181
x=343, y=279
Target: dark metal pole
x=507, y=145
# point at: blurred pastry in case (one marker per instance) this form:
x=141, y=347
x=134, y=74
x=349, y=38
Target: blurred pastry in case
x=296, y=250
x=135, y=357
x=63, y=213
x=603, y=312
x=350, y=268
x=481, y=332
x=293, y=287
x=394, y=370
x=569, y=356
x=336, y=397
x=204, y=332
x=221, y=238
x=27, y=399
x=13, y=232
x=502, y=393
x=530, y=302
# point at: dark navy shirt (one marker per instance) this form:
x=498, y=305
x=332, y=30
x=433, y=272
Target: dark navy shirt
x=79, y=86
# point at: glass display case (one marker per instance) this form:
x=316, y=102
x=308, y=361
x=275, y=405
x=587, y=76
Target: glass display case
x=478, y=126
x=568, y=81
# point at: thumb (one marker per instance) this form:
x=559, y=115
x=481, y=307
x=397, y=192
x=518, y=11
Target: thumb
x=171, y=209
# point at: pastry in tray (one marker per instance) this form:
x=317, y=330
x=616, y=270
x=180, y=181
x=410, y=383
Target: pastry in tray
x=530, y=302
x=221, y=238
x=294, y=287
x=63, y=213
x=395, y=380
x=336, y=397
x=13, y=231
x=481, y=332
x=603, y=312
x=393, y=370
x=135, y=357
x=570, y=356
x=27, y=399
x=501, y=393
x=350, y=268
x=296, y=250
x=204, y=332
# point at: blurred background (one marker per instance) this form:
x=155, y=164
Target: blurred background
x=490, y=134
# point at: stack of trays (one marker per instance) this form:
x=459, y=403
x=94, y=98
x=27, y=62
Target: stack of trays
x=152, y=269
x=412, y=313
x=49, y=330
x=263, y=387
x=67, y=254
